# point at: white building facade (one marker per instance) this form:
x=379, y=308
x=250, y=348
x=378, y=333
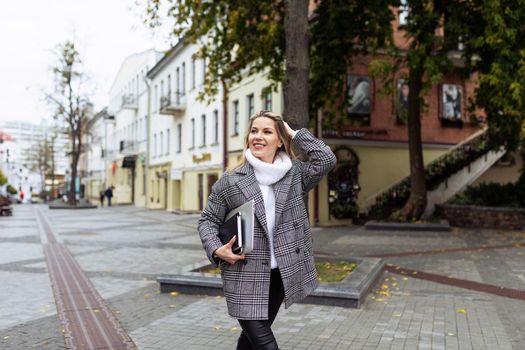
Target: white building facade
x=186, y=154
x=127, y=142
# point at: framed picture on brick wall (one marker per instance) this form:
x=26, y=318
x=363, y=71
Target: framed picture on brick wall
x=451, y=100
x=358, y=88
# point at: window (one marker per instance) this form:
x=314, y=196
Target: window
x=203, y=121
x=203, y=70
x=183, y=82
x=143, y=128
x=144, y=179
x=154, y=145
x=358, y=92
x=168, y=141
x=216, y=124
x=193, y=73
x=177, y=82
x=451, y=97
x=403, y=12
x=179, y=138
x=161, y=90
x=192, y=133
x=267, y=99
x=235, y=118
x=156, y=98
x=161, y=143
x=250, y=105
x=169, y=86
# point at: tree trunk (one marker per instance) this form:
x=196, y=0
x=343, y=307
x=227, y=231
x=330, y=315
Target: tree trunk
x=295, y=87
x=75, y=156
x=417, y=201
x=71, y=198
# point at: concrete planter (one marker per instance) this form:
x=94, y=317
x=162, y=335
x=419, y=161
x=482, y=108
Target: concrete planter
x=483, y=217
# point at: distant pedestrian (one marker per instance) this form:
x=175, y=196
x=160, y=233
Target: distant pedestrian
x=102, y=195
x=109, y=194
x=22, y=196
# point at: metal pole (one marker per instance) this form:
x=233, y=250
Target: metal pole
x=148, y=126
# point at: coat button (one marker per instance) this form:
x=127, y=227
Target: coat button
x=297, y=250
x=244, y=262
x=265, y=263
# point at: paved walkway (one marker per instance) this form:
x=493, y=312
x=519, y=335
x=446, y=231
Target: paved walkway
x=122, y=249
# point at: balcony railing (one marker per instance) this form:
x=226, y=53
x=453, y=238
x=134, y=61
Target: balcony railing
x=128, y=147
x=129, y=101
x=173, y=104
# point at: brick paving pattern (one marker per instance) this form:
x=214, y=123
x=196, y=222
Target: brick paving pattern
x=122, y=249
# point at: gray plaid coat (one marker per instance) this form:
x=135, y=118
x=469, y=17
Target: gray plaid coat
x=246, y=283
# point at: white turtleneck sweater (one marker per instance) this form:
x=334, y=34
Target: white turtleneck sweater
x=267, y=174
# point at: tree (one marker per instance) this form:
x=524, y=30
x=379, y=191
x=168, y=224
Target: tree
x=239, y=38
x=484, y=35
x=434, y=30
x=43, y=159
x=495, y=49
x=3, y=178
x=73, y=108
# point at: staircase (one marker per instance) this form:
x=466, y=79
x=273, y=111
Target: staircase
x=445, y=176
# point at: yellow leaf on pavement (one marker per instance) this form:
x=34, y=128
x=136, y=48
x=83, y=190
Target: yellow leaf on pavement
x=174, y=294
x=461, y=311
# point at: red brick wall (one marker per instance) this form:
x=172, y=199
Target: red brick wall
x=383, y=125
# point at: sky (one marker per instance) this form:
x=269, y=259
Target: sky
x=105, y=32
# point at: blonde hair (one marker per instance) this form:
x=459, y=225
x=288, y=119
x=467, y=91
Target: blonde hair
x=283, y=135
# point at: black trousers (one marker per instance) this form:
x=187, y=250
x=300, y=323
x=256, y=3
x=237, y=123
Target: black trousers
x=257, y=334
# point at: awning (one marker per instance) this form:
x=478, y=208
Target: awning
x=128, y=162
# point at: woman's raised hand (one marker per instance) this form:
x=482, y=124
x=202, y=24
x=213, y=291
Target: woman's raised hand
x=289, y=130
x=226, y=253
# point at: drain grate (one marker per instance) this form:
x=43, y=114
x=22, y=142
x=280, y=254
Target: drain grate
x=456, y=282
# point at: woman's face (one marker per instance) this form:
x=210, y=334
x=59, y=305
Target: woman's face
x=263, y=139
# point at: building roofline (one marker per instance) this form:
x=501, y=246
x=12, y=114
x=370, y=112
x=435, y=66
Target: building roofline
x=170, y=55
x=126, y=59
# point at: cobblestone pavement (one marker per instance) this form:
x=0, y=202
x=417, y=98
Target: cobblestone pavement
x=123, y=249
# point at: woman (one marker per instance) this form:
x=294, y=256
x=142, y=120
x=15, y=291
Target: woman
x=281, y=265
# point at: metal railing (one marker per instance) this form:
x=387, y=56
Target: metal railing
x=436, y=172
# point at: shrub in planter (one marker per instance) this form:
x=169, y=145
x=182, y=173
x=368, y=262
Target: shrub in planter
x=489, y=195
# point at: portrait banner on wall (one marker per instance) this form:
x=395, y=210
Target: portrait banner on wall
x=359, y=98
x=451, y=102
x=401, y=101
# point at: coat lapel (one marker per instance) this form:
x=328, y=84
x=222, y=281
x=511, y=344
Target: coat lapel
x=250, y=188
x=281, y=189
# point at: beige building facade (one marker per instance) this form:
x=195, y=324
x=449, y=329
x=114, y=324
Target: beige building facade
x=186, y=143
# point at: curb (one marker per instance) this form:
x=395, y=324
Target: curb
x=443, y=226
x=61, y=206
x=350, y=292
